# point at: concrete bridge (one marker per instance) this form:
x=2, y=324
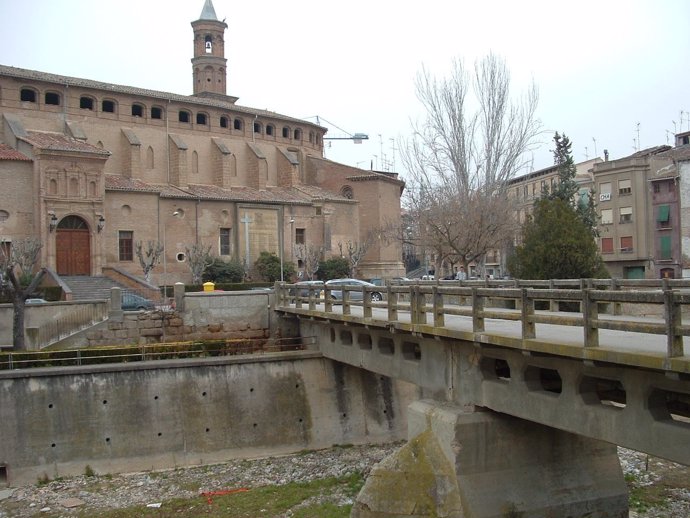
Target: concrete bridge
x=522, y=407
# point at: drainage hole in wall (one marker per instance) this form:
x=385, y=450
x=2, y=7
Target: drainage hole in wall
x=254, y=425
x=50, y=405
x=385, y=411
x=300, y=419
x=344, y=415
x=105, y=401
x=107, y=439
x=251, y=389
x=208, y=430
x=203, y=393
x=52, y=445
x=297, y=386
x=159, y=434
x=155, y=397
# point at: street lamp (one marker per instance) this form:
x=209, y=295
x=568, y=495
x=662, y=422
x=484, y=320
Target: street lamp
x=165, y=252
x=282, y=246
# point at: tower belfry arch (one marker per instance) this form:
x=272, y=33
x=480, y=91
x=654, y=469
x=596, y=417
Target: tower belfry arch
x=209, y=63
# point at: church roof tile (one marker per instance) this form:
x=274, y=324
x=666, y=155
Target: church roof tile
x=7, y=153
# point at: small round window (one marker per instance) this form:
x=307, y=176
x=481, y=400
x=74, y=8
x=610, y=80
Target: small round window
x=180, y=257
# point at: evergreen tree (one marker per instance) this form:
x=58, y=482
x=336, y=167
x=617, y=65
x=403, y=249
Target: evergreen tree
x=268, y=267
x=556, y=244
x=333, y=268
x=567, y=188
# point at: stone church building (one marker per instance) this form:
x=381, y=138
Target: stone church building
x=92, y=168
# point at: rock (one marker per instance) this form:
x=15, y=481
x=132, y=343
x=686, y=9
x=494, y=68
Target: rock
x=71, y=502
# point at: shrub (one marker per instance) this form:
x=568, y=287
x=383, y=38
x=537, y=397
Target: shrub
x=221, y=271
x=333, y=268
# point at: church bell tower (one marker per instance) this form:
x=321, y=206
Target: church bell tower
x=209, y=63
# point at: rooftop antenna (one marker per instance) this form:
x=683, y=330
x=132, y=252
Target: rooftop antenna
x=675, y=129
x=393, y=150
x=638, y=136
x=586, y=155
x=357, y=138
x=595, y=147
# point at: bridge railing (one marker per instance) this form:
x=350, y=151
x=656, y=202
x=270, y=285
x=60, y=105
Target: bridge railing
x=594, y=304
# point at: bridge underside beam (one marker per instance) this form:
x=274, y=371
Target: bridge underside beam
x=484, y=464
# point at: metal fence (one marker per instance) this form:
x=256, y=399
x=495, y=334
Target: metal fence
x=139, y=353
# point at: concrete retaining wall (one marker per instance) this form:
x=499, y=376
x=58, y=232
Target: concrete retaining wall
x=128, y=417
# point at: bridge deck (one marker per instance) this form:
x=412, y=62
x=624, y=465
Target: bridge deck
x=646, y=350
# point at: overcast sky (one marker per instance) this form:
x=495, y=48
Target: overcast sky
x=602, y=67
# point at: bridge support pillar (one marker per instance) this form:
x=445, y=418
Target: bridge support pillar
x=484, y=464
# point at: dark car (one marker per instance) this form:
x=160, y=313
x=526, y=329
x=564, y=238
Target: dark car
x=134, y=302
x=337, y=294
x=301, y=288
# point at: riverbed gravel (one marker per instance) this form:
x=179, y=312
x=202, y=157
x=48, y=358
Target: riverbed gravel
x=97, y=492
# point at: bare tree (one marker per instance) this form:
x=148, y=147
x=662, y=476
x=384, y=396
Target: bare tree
x=459, y=159
x=17, y=278
x=310, y=255
x=198, y=258
x=148, y=258
x=354, y=252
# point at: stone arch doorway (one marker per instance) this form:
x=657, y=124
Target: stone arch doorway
x=73, y=247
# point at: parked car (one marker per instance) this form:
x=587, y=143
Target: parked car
x=337, y=294
x=378, y=281
x=302, y=288
x=134, y=302
x=35, y=301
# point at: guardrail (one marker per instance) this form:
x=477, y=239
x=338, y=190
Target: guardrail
x=138, y=353
x=518, y=300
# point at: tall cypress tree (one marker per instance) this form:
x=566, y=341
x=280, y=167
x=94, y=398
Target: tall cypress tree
x=567, y=188
x=558, y=241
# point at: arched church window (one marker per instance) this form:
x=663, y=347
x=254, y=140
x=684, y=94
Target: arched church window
x=27, y=95
x=286, y=132
x=149, y=158
x=138, y=110
x=208, y=44
x=86, y=103
x=52, y=98
x=73, y=223
x=298, y=134
x=108, y=106
x=237, y=124
x=195, y=162
x=223, y=121
x=346, y=192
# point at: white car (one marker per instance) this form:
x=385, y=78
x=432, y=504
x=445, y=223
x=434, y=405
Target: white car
x=337, y=294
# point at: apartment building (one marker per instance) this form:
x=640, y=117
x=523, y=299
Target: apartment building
x=639, y=210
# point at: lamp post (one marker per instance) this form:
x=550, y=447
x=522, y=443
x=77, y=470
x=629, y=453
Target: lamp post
x=165, y=252
x=280, y=247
